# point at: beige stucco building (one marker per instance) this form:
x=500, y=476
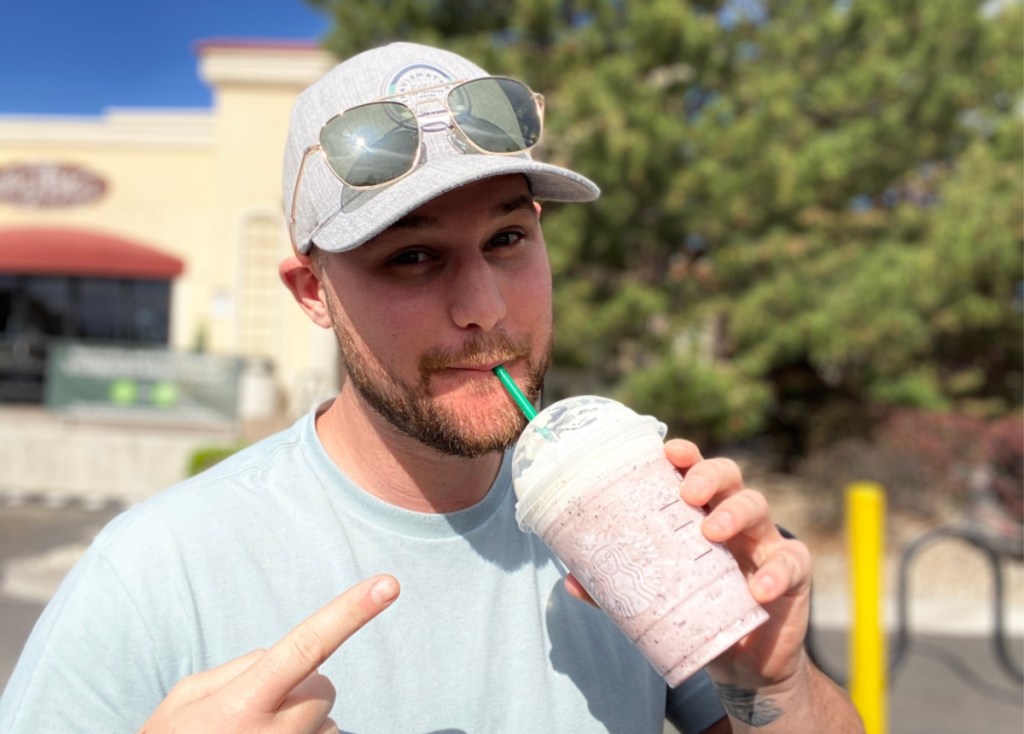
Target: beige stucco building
x=200, y=187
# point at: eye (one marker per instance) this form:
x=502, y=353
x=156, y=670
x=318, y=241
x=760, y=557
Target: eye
x=409, y=257
x=506, y=239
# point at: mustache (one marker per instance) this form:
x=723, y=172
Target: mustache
x=477, y=350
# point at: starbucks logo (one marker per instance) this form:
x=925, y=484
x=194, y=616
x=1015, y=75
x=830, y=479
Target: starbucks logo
x=624, y=575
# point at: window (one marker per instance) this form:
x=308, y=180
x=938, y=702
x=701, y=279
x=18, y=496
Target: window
x=259, y=286
x=7, y=283
x=150, y=302
x=46, y=306
x=99, y=304
x=35, y=309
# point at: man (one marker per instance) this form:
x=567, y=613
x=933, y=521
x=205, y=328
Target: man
x=418, y=242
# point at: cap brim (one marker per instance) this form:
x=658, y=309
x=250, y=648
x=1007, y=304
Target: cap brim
x=365, y=214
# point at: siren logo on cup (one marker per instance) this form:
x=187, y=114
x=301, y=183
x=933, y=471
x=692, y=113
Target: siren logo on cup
x=407, y=79
x=624, y=574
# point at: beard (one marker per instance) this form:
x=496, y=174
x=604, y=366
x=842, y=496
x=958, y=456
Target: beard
x=423, y=417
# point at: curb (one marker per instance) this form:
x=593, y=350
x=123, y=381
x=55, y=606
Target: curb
x=61, y=500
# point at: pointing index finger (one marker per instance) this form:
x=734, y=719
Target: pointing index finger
x=299, y=653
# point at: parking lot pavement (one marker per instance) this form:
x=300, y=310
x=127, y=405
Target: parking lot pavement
x=947, y=684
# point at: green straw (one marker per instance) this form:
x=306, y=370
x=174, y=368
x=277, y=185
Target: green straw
x=517, y=395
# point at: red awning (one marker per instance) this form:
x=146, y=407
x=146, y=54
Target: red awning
x=77, y=252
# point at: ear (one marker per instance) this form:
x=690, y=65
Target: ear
x=297, y=274
x=538, y=207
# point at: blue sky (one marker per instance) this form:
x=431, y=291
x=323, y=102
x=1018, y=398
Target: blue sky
x=80, y=56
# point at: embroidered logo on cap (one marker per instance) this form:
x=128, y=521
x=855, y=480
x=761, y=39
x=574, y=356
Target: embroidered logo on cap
x=407, y=79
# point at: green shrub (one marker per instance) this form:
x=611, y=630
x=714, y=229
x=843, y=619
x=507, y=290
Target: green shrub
x=206, y=456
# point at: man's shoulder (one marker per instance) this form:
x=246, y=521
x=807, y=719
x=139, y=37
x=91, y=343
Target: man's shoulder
x=245, y=483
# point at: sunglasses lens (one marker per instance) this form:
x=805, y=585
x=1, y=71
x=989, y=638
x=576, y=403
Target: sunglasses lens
x=498, y=115
x=372, y=144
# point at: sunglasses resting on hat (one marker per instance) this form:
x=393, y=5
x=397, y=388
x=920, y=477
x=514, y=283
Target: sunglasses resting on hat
x=378, y=143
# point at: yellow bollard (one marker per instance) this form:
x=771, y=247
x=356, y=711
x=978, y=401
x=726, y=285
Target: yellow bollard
x=865, y=518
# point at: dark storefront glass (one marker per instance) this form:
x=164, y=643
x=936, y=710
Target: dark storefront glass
x=99, y=302
x=37, y=309
x=46, y=304
x=150, y=299
x=6, y=301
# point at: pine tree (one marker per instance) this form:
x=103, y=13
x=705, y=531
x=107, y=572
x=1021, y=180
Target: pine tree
x=812, y=210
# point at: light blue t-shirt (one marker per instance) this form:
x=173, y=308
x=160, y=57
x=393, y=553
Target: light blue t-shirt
x=483, y=638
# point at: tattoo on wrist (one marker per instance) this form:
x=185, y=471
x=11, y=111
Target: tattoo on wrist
x=746, y=706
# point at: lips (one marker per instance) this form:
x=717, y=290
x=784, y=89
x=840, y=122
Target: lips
x=482, y=366
x=481, y=363
x=478, y=355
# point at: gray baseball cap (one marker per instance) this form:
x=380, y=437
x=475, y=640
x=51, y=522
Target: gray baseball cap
x=340, y=218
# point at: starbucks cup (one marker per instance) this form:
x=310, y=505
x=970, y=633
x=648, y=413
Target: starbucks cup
x=592, y=480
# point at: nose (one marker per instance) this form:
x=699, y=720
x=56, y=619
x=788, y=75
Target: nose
x=477, y=296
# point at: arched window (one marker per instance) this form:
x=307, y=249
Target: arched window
x=259, y=310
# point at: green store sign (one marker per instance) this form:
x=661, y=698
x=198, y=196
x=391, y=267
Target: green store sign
x=147, y=382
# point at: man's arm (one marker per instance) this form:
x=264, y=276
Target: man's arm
x=810, y=703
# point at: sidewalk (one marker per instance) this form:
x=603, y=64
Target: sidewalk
x=98, y=461
x=58, y=459
x=949, y=581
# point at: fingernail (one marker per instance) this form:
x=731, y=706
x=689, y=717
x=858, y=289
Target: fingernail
x=695, y=486
x=763, y=587
x=719, y=523
x=384, y=591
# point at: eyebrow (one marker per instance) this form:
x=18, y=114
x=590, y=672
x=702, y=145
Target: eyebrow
x=421, y=221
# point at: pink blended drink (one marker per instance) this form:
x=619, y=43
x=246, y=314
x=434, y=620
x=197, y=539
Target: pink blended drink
x=593, y=482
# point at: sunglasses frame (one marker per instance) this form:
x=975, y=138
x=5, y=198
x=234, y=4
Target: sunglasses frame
x=452, y=126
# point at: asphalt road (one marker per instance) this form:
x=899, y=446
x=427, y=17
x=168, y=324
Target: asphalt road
x=946, y=685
